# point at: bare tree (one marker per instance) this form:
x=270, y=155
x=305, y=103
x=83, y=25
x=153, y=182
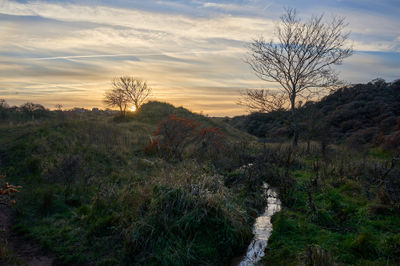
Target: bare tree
x=59, y=111
x=31, y=109
x=58, y=107
x=262, y=100
x=117, y=97
x=302, y=59
x=3, y=103
x=3, y=109
x=135, y=90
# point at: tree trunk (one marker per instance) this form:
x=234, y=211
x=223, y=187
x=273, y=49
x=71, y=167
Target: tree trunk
x=295, y=125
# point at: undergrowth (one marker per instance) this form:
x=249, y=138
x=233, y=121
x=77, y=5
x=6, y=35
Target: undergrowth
x=343, y=204
x=93, y=195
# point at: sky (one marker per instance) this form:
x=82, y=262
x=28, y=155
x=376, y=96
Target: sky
x=190, y=52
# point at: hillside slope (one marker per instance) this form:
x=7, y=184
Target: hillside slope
x=165, y=186
x=357, y=114
x=93, y=195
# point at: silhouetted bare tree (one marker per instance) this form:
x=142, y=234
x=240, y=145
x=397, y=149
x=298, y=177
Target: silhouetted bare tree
x=3, y=109
x=31, y=109
x=263, y=100
x=135, y=90
x=302, y=57
x=58, y=107
x=117, y=97
x=3, y=103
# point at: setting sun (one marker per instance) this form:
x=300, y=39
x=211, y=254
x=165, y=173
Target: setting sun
x=133, y=108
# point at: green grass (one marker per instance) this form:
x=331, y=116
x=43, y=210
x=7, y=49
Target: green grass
x=91, y=195
x=381, y=153
x=351, y=222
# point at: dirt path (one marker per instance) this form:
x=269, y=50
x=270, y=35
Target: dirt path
x=15, y=250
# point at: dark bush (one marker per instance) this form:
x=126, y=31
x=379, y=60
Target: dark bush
x=68, y=169
x=172, y=137
x=388, y=124
x=365, y=244
x=363, y=136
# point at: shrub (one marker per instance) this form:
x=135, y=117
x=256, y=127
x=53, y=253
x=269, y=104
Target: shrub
x=67, y=169
x=6, y=190
x=172, y=136
x=392, y=244
x=187, y=218
x=392, y=187
x=175, y=134
x=363, y=136
x=317, y=256
x=365, y=244
x=47, y=204
x=387, y=124
x=211, y=143
x=393, y=141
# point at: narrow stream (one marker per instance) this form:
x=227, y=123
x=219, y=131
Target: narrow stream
x=262, y=228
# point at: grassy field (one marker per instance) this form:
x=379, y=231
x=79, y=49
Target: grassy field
x=94, y=194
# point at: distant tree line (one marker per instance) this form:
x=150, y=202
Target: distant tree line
x=33, y=112
x=26, y=111
x=126, y=92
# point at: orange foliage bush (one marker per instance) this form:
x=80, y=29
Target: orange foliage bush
x=6, y=191
x=171, y=136
x=174, y=134
x=212, y=142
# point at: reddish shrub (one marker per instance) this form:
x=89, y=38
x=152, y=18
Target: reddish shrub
x=153, y=146
x=6, y=191
x=172, y=136
x=175, y=134
x=211, y=144
x=212, y=137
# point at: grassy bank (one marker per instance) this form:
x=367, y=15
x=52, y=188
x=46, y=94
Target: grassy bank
x=342, y=209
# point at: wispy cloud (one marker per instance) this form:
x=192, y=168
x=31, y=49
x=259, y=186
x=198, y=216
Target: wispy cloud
x=191, y=52
x=129, y=55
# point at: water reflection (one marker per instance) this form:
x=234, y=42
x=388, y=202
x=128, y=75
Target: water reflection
x=262, y=228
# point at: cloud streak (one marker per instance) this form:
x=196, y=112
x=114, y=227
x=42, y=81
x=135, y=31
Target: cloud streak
x=191, y=52
x=125, y=55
